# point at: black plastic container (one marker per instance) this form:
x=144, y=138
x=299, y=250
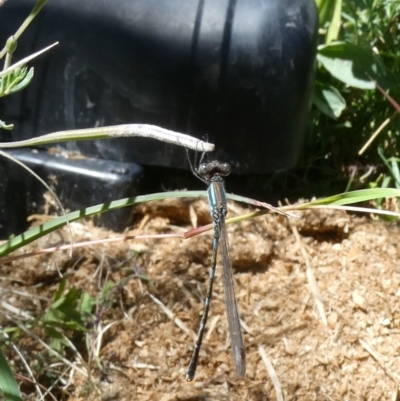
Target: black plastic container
x=239, y=71
x=79, y=182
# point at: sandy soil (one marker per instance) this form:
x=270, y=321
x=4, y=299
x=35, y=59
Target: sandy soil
x=346, y=349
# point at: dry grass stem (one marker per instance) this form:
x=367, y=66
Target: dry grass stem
x=176, y=320
x=310, y=276
x=272, y=373
x=379, y=359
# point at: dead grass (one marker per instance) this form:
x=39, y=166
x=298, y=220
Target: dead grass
x=145, y=353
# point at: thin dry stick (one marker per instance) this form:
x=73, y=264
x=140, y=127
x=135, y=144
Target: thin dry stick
x=379, y=359
x=56, y=381
x=310, y=276
x=357, y=209
x=99, y=339
x=272, y=373
x=212, y=326
x=246, y=327
x=176, y=320
x=116, y=131
x=25, y=60
x=376, y=133
x=396, y=393
x=16, y=311
x=140, y=365
x=87, y=243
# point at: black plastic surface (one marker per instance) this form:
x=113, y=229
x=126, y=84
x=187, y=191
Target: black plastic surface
x=239, y=71
x=78, y=182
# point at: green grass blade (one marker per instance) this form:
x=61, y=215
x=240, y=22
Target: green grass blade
x=348, y=198
x=335, y=23
x=46, y=228
x=7, y=382
x=389, y=166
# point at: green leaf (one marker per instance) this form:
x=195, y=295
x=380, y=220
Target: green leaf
x=8, y=127
x=52, y=317
x=86, y=305
x=326, y=9
x=60, y=290
x=57, y=341
x=16, y=87
x=354, y=65
x=329, y=100
x=108, y=286
x=8, y=385
x=65, y=312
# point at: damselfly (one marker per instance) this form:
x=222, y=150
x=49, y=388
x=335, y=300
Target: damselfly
x=212, y=173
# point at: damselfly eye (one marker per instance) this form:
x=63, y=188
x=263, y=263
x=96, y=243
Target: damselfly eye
x=225, y=169
x=203, y=169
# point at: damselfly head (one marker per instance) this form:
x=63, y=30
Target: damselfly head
x=208, y=170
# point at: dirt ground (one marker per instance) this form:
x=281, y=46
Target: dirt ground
x=350, y=354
